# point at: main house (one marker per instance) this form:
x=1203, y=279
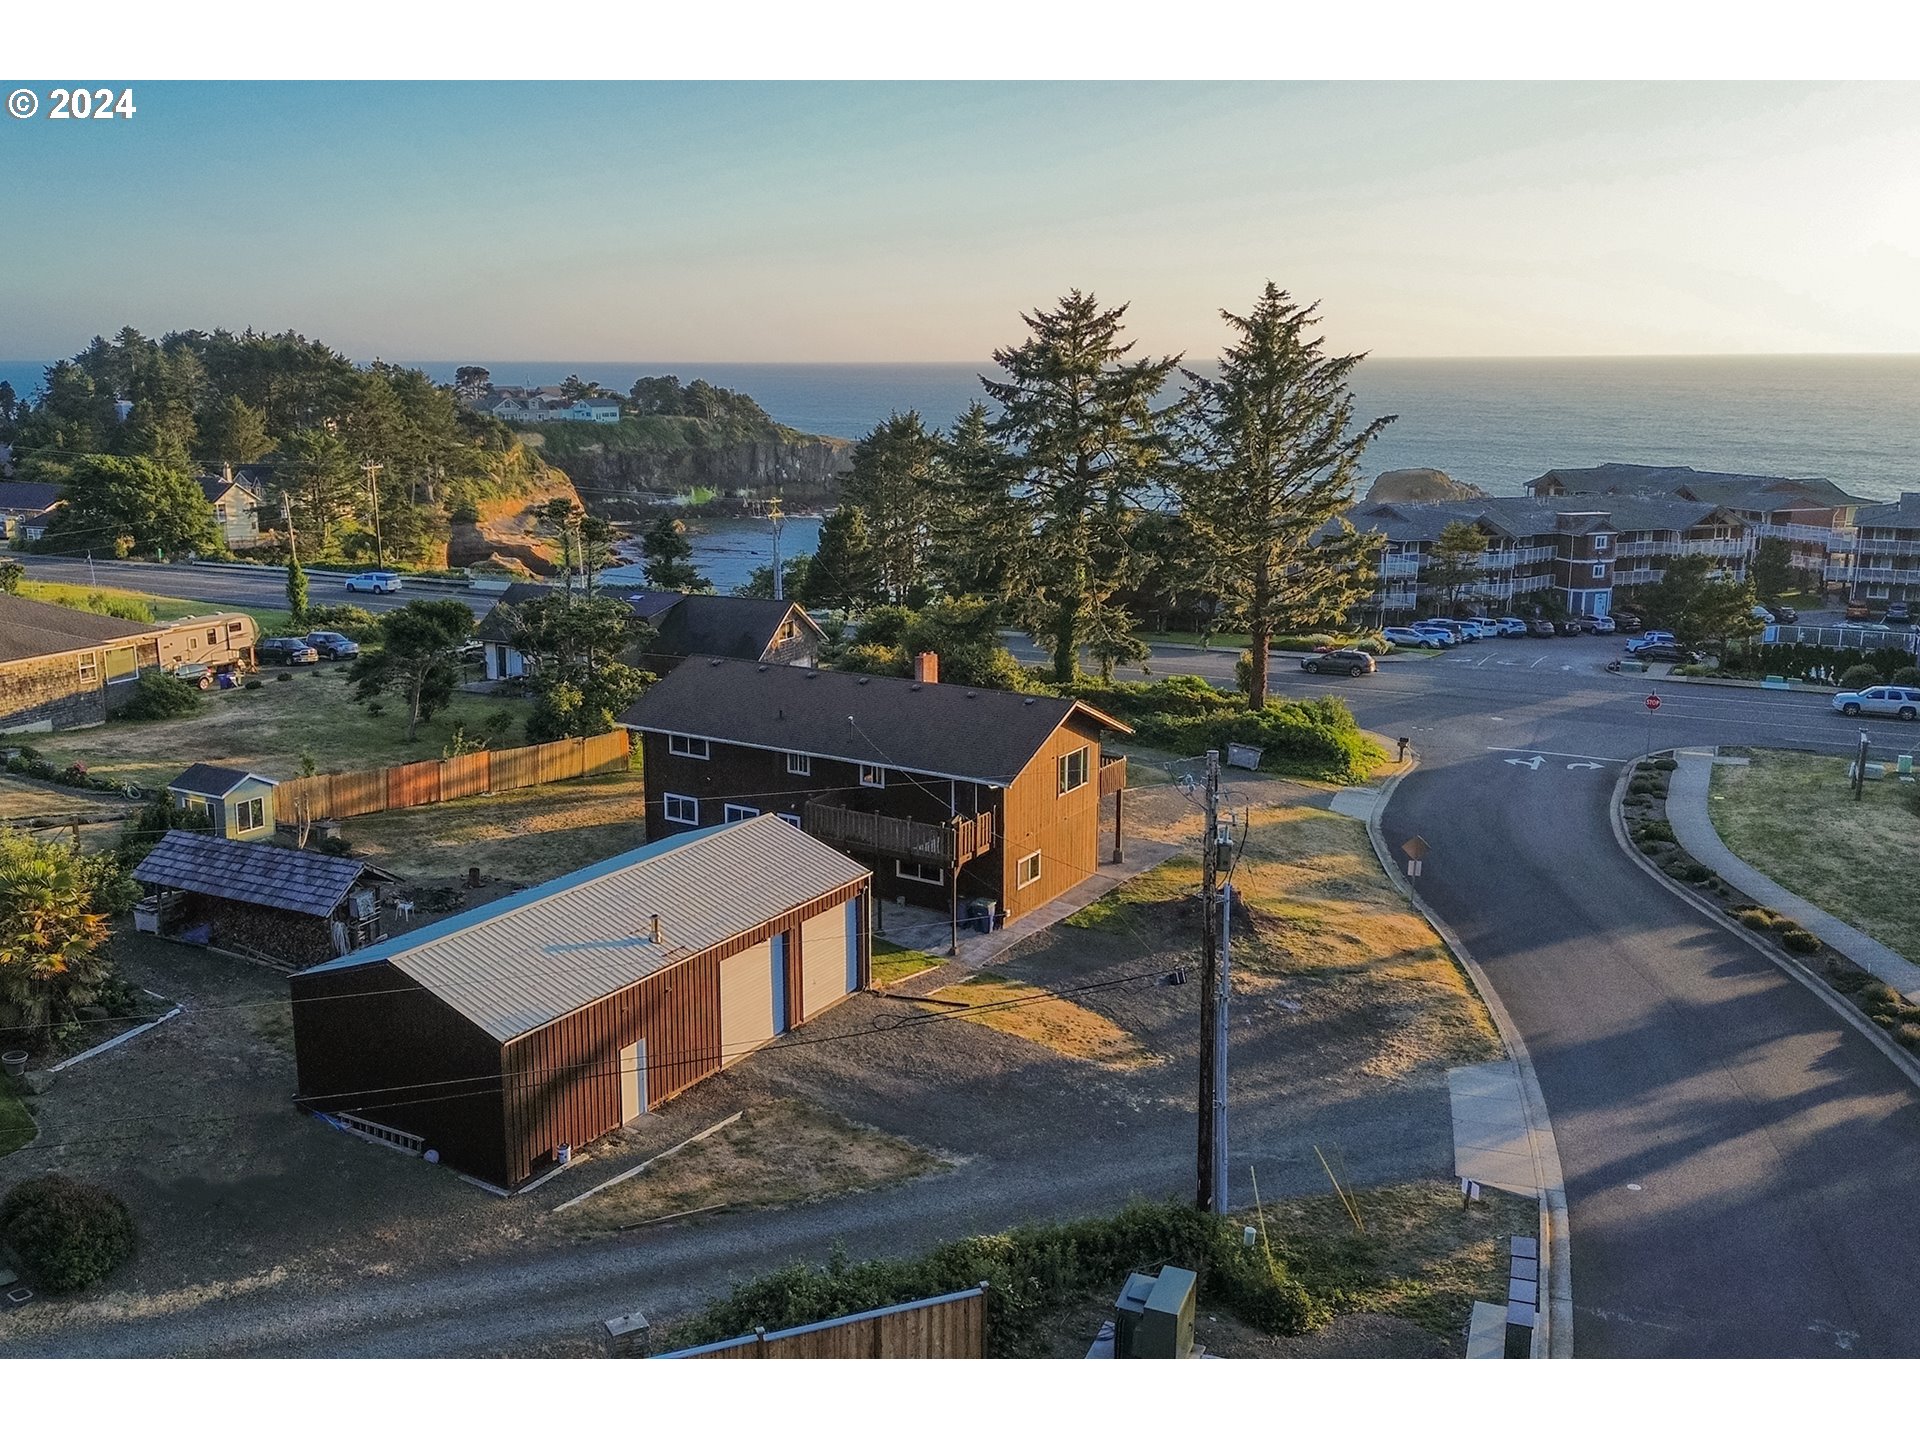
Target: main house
x=775, y=631
x=946, y=790
x=1887, y=561
x=25, y=508
x=502, y=1038
x=1576, y=549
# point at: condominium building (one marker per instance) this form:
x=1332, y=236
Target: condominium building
x=1887, y=554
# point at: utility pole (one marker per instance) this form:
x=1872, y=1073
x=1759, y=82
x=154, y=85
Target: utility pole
x=779, y=582
x=286, y=514
x=1223, y=990
x=371, y=469
x=1211, y=1058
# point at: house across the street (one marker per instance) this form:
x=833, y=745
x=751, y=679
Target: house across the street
x=236, y=508
x=776, y=631
x=501, y=1038
x=239, y=803
x=949, y=792
x=293, y=906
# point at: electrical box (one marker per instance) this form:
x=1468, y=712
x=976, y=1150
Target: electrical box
x=1153, y=1318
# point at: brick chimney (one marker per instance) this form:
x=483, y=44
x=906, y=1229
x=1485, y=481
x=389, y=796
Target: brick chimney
x=926, y=668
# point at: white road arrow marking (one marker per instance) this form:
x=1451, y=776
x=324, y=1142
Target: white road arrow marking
x=1534, y=764
x=1582, y=765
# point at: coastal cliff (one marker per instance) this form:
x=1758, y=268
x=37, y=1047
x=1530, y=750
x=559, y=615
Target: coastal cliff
x=804, y=469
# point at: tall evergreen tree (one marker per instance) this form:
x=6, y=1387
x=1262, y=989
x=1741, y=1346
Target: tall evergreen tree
x=892, y=482
x=669, y=557
x=1078, y=416
x=978, y=540
x=297, y=591
x=1772, y=569
x=844, y=572
x=234, y=432
x=1273, y=461
x=1453, y=565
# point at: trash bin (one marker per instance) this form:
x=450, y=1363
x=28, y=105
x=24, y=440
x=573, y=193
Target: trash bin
x=989, y=911
x=15, y=1063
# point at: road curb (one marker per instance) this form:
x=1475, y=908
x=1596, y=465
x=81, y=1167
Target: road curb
x=1553, y=1339
x=1907, y=1064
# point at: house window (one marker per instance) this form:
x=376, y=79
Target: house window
x=925, y=874
x=691, y=746
x=1599, y=572
x=1599, y=544
x=1027, y=871
x=1074, y=770
x=197, y=804
x=682, y=809
x=89, y=667
x=793, y=820
x=874, y=777
x=249, y=815
x=738, y=812
x=220, y=513
x=798, y=764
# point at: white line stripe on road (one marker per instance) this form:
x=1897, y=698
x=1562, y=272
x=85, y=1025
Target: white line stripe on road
x=1555, y=754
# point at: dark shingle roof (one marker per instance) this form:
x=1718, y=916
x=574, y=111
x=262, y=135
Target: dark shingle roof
x=251, y=871
x=204, y=779
x=1901, y=514
x=497, y=623
x=946, y=730
x=1715, y=486
x=736, y=626
x=27, y=497
x=30, y=628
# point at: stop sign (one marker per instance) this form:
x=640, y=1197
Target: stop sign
x=1653, y=702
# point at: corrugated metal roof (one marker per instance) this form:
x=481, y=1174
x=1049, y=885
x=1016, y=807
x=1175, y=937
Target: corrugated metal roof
x=522, y=962
x=252, y=871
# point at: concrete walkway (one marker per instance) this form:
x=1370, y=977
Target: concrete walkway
x=1490, y=1139
x=1693, y=828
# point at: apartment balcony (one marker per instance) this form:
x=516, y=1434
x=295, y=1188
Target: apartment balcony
x=943, y=846
x=1399, y=565
x=1888, y=547
x=1801, y=534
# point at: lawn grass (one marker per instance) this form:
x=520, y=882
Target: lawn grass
x=1420, y=1255
x=156, y=607
x=782, y=1152
x=16, y=1125
x=527, y=836
x=1792, y=817
x=1015, y=1008
x=893, y=963
x=311, y=710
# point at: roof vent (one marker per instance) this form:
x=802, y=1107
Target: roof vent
x=1029, y=700
x=715, y=664
x=654, y=929
x=970, y=694
x=763, y=669
x=915, y=686
x=863, y=679
x=781, y=713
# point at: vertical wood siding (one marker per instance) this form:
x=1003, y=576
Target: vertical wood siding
x=1065, y=829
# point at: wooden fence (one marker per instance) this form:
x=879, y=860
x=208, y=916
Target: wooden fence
x=428, y=782
x=947, y=1327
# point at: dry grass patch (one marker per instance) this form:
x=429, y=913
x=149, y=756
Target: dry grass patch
x=1030, y=1013
x=780, y=1153
x=1793, y=817
x=527, y=836
x=894, y=963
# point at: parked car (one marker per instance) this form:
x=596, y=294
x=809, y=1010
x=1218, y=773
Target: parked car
x=380, y=582
x=1445, y=636
x=1858, y=610
x=1511, y=625
x=1413, y=639
x=1898, y=702
x=1483, y=626
x=1339, y=662
x=286, y=650
x=1786, y=614
x=1628, y=623
x=1666, y=650
x=1597, y=624
x=1652, y=637
x=1566, y=627
x=332, y=644
x=1762, y=614
x=1541, y=627
x=1897, y=613
x=1466, y=634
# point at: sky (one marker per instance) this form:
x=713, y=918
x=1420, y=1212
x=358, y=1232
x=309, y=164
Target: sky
x=915, y=221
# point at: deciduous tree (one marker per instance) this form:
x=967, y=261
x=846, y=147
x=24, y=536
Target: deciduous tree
x=150, y=506
x=1701, y=608
x=418, y=658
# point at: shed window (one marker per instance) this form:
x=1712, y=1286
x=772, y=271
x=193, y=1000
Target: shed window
x=682, y=809
x=793, y=820
x=249, y=815
x=798, y=764
x=874, y=777
x=1074, y=770
x=691, y=746
x=1027, y=871
x=89, y=666
x=925, y=874
x=738, y=812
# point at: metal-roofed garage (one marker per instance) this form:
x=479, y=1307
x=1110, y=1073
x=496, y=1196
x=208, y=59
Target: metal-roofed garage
x=551, y=1017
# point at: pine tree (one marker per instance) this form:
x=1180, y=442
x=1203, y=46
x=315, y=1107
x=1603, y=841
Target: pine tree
x=1273, y=462
x=1078, y=417
x=669, y=557
x=297, y=591
x=844, y=573
x=978, y=540
x=892, y=482
x=1454, y=562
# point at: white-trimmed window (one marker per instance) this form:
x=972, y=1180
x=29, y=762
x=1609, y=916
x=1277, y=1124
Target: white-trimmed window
x=89, y=667
x=681, y=809
x=738, y=812
x=1027, y=871
x=914, y=870
x=691, y=746
x=798, y=764
x=249, y=815
x=793, y=820
x=1599, y=543
x=874, y=777
x=1075, y=769
x=1599, y=572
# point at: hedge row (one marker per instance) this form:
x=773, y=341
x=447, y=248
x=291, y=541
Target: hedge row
x=1031, y=1272
x=1820, y=664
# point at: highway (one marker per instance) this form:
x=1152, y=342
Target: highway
x=221, y=587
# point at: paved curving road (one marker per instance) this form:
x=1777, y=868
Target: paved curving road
x=263, y=591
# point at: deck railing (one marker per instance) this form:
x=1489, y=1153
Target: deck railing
x=953, y=843
x=1113, y=774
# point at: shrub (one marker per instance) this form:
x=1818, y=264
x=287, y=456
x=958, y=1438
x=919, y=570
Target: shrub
x=1666, y=762
x=333, y=845
x=1755, y=918
x=1654, y=832
x=66, y=1233
x=252, y=683
x=1906, y=675
x=1641, y=787
x=1801, y=942
x=352, y=621
x=1858, y=677
x=160, y=696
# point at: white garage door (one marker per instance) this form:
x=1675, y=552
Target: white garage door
x=824, y=946
x=746, y=1001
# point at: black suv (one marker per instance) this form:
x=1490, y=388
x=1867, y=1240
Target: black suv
x=286, y=650
x=1666, y=650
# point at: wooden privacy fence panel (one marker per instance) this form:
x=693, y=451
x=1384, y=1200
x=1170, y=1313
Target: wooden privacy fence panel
x=947, y=1327
x=427, y=782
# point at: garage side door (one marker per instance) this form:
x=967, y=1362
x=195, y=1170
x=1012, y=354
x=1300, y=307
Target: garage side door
x=746, y=1001
x=824, y=942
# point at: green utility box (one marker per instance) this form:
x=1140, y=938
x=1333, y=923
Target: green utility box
x=1153, y=1318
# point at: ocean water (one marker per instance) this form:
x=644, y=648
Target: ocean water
x=1496, y=423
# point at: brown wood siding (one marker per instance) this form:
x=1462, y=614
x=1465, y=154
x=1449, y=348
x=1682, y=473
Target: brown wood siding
x=370, y=1041
x=1065, y=829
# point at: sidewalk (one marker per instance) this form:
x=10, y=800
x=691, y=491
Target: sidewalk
x=1687, y=813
